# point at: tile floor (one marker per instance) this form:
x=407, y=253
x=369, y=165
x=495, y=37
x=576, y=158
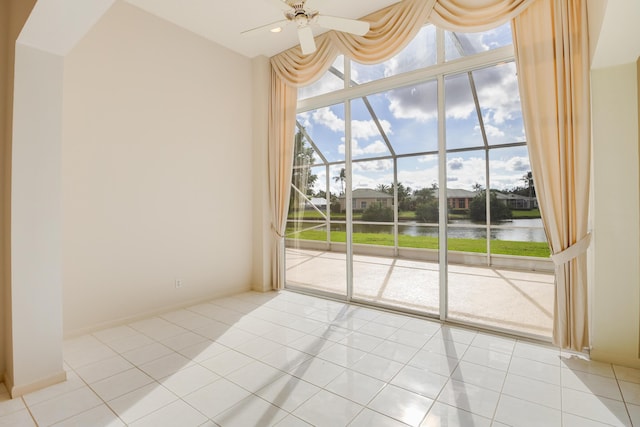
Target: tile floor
x=515, y=300
x=288, y=359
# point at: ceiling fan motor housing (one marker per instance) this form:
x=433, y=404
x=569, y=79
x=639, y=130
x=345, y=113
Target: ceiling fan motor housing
x=303, y=18
x=299, y=15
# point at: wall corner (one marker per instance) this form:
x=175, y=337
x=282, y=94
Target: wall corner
x=261, y=69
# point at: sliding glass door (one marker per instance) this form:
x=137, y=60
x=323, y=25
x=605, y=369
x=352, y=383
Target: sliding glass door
x=412, y=187
x=316, y=255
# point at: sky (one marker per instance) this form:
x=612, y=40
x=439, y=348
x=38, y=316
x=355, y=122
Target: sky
x=408, y=117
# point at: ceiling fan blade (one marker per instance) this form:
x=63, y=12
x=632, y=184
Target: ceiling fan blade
x=353, y=26
x=307, y=43
x=280, y=4
x=265, y=28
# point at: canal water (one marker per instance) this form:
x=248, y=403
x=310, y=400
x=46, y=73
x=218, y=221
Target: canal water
x=520, y=230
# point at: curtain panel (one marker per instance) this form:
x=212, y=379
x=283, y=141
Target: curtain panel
x=282, y=123
x=546, y=51
x=551, y=44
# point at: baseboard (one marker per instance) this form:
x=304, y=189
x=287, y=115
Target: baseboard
x=8, y=381
x=614, y=358
x=20, y=390
x=155, y=312
x=265, y=287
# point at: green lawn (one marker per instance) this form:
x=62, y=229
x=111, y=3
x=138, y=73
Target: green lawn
x=533, y=213
x=533, y=249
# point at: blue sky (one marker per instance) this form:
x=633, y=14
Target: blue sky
x=409, y=118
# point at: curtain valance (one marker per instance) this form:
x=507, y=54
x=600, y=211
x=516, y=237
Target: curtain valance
x=391, y=30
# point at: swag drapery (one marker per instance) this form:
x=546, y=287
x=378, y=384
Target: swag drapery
x=550, y=42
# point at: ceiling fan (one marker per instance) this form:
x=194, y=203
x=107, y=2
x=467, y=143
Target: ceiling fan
x=303, y=14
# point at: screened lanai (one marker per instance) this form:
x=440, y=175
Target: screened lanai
x=400, y=217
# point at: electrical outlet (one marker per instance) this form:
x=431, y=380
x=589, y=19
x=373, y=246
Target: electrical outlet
x=178, y=283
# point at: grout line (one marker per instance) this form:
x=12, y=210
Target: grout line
x=495, y=411
x=24, y=402
x=624, y=401
x=287, y=305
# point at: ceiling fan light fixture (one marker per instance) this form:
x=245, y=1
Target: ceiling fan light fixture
x=301, y=20
x=276, y=30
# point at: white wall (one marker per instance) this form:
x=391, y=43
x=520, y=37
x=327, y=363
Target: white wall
x=4, y=162
x=36, y=276
x=261, y=206
x=616, y=247
x=34, y=284
x=156, y=170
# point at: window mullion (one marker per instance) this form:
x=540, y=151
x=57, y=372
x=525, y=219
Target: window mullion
x=480, y=60
x=442, y=202
x=348, y=195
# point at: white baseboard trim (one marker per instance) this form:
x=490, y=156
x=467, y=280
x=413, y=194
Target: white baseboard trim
x=22, y=389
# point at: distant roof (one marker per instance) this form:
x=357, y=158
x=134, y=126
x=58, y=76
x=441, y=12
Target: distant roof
x=457, y=193
x=511, y=196
x=318, y=201
x=367, y=193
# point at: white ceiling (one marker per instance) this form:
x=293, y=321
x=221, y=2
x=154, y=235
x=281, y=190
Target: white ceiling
x=615, y=34
x=223, y=21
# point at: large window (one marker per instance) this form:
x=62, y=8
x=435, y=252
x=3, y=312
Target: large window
x=395, y=157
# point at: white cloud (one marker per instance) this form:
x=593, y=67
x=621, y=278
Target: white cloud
x=508, y=173
x=518, y=164
x=455, y=164
x=366, y=181
x=305, y=120
x=503, y=173
x=326, y=117
x=360, y=129
x=373, y=166
x=490, y=130
x=497, y=93
x=377, y=147
x=466, y=172
x=428, y=159
x=417, y=102
x=329, y=82
x=367, y=128
x=419, y=53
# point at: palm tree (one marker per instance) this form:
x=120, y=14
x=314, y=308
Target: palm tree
x=385, y=188
x=341, y=179
x=528, y=180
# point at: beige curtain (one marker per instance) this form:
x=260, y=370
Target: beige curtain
x=551, y=39
x=282, y=116
x=391, y=30
x=474, y=15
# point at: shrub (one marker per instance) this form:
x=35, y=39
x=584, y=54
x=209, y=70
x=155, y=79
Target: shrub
x=478, y=208
x=378, y=213
x=427, y=211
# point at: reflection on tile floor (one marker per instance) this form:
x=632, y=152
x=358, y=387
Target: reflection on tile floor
x=521, y=301
x=289, y=359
